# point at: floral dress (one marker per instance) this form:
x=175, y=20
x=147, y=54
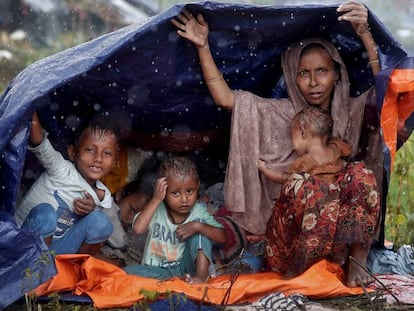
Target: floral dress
x=314, y=219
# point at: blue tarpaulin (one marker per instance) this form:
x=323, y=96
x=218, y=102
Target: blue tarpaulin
x=149, y=78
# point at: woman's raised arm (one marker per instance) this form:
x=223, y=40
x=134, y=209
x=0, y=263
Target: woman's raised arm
x=196, y=31
x=357, y=14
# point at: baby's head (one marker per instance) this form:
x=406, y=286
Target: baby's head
x=315, y=121
x=309, y=123
x=94, y=149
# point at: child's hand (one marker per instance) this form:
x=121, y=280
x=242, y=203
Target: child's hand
x=160, y=189
x=83, y=206
x=184, y=231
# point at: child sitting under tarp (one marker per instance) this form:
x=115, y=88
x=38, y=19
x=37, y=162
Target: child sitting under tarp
x=64, y=204
x=181, y=231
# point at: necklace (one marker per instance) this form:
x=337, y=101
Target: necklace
x=170, y=216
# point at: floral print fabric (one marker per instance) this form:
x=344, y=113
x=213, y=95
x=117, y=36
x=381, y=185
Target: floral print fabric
x=314, y=219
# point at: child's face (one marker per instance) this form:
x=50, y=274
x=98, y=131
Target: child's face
x=130, y=205
x=182, y=194
x=298, y=138
x=94, y=155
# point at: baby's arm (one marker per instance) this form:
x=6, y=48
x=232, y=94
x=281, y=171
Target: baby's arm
x=36, y=131
x=272, y=175
x=187, y=230
x=143, y=219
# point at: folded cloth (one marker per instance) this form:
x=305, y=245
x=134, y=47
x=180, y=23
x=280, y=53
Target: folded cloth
x=386, y=261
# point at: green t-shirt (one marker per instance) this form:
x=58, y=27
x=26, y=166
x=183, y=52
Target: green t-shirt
x=163, y=248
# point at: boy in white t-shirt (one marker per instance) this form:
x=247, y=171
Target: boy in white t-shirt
x=64, y=203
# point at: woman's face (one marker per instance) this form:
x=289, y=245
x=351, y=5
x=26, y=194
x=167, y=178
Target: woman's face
x=316, y=77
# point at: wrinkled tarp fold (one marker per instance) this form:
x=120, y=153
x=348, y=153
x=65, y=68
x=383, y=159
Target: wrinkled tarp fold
x=25, y=261
x=110, y=287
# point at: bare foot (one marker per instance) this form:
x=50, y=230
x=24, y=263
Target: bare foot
x=355, y=274
x=194, y=280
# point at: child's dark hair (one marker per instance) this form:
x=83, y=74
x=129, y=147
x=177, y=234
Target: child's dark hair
x=178, y=166
x=100, y=125
x=315, y=120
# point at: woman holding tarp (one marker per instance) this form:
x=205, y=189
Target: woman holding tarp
x=315, y=74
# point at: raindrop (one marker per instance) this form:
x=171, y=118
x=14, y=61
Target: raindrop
x=206, y=139
x=29, y=174
x=97, y=107
x=237, y=27
x=292, y=16
x=72, y=121
x=54, y=106
x=173, y=37
x=222, y=42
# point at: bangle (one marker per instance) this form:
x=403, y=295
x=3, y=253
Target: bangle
x=373, y=61
x=212, y=80
x=134, y=220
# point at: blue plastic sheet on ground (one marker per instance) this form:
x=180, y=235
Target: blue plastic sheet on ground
x=179, y=303
x=25, y=261
x=149, y=78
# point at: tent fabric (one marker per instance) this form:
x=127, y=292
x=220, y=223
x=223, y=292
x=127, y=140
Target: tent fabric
x=398, y=103
x=25, y=261
x=148, y=78
x=111, y=287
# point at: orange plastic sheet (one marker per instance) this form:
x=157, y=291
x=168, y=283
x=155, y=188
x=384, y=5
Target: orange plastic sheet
x=398, y=105
x=110, y=287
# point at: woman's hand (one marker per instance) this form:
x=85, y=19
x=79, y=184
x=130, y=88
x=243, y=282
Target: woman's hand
x=355, y=13
x=195, y=30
